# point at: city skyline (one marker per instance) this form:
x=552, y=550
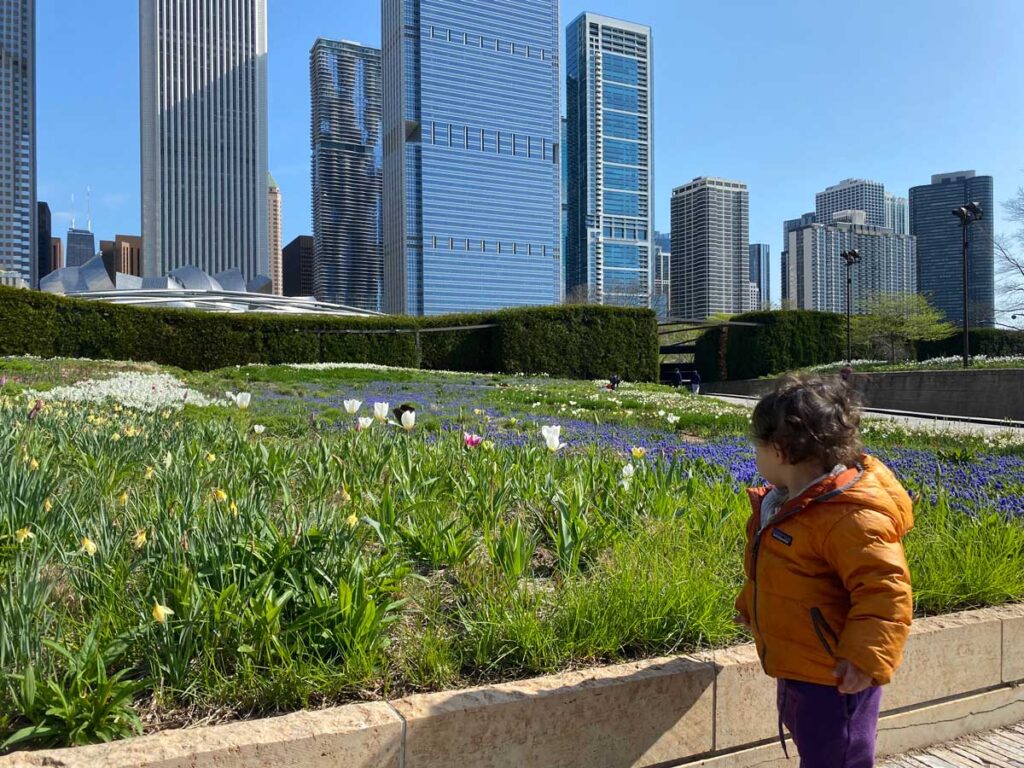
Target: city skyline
x=912, y=119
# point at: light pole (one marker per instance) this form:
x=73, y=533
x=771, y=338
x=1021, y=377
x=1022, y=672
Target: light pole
x=968, y=214
x=851, y=257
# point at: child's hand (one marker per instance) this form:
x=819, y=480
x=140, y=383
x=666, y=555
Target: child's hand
x=851, y=679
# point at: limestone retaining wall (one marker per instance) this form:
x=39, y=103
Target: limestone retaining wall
x=963, y=673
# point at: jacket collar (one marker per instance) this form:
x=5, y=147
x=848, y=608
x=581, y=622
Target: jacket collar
x=827, y=488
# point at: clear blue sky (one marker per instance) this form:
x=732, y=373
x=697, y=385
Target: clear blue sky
x=787, y=95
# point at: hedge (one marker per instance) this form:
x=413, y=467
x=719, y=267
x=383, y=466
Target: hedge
x=777, y=342
x=578, y=342
x=993, y=342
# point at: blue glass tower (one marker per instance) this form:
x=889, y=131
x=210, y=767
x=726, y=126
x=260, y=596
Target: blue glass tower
x=608, y=108
x=471, y=155
x=940, y=246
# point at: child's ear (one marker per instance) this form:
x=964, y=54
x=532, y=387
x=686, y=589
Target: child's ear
x=780, y=454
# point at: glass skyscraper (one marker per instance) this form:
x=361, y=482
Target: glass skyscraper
x=940, y=246
x=760, y=272
x=345, y=80
x=852, y=195
x=81, y=246
x=471, y=155
x=609, y=138
x=18, y=238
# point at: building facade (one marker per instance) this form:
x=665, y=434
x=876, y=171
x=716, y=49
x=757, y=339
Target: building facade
x=710, y=248
x=297, y=266
x=44, y=234
x=471, y=155
x=56, y=254
x=815, y=276
x=897, y=214
x=19, y=251
x=761, y=273
x=940, y=246
x=81, y=246
x=788, y=226
x=852, y=195
x=345, y=82
x=203, y=68
x=126, y=254
x=274, y=234
x=610, y=153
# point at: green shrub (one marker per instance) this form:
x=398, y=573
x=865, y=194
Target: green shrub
x=994, y=342
x=778, y=342
x=578, y=342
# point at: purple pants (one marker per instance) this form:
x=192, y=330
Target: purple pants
x=830, y=729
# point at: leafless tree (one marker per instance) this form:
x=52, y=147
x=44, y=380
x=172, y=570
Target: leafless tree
x=1010, y=260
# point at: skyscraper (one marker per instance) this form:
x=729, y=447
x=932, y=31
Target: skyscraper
x=274, y=235
x=471, y=155
x=761, y=272
x=897, y=214
x=609, y=137
x=661, y=301
x=204, y=135
x=852, y=195
x=18, y=238
x=81, y=246
x=44, y=234
x=940, y=246
x=345, y=81
x=815, y=277
x=297, y=266
x=710, y=248
x=788, y=226
x=56, y=254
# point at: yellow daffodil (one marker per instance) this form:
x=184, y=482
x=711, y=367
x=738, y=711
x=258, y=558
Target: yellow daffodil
x=47, y=505
x=23, y=534
x=33, y=464
x=150, y=473
x=211, y=457
x=639, y=452
x=161, y=612
x=140, y=539
x=89, y=546
x=116, y=437
x=123, y=499
x=345, y=498
x=352, y=521
x=233, y=509
x=219, y=496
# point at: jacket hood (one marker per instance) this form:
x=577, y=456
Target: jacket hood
x=870, y=485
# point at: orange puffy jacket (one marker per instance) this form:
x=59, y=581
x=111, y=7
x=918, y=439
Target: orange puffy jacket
x=827, y=579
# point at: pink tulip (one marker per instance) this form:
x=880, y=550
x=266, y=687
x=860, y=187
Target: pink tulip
x=472, y=441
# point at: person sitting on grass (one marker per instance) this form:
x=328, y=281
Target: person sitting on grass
x=827, y=594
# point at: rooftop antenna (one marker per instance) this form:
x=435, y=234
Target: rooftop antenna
x=72, y=210
x=88, y=203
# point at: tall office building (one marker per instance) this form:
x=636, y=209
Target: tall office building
x=203, y=68
x=18, y=237
x=81, y=246
x=897, y=214
x=661, y=302
x=710, y=248
x=44, y=234
x=788, y=226
x=852, y=195
x=274, y=234
x=940, y=246
x=563, y=164
x=122, y=254
x=815, y=277
x=761, y=272
x=345, y=81
x=471, y=135
x=56, y=254
x=297, y=266
x=609, y=136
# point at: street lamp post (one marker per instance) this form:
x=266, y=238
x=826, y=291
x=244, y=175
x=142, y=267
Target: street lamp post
x=968, y=214
x=851, y=257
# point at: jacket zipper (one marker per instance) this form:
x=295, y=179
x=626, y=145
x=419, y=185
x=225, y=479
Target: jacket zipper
x=821, y=627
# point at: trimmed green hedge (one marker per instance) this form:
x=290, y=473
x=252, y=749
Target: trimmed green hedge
x=780, y=341
x=577, y=342
x=994, y=342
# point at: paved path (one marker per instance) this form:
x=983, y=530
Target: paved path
x=1003, y=749
x=923, y=421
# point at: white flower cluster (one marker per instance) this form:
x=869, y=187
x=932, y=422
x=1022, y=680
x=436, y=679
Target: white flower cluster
x=369, y=367
x=141, y=391
x=834, y=367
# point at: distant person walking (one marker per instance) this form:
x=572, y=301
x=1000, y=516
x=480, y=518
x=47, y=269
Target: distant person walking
x=846, y=372
x=677, y=377
x=695, y=383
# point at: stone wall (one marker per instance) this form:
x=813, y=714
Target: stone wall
x=962, y=673
x=989, y=394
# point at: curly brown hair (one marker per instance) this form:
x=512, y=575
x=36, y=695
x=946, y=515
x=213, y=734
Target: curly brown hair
x=810, y=417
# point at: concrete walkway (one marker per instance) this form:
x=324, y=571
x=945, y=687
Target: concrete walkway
x=1003, y=749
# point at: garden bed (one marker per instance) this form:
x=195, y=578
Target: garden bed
x=176, y=563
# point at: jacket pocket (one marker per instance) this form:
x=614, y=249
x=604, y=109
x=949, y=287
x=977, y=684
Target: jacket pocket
x=824, y=632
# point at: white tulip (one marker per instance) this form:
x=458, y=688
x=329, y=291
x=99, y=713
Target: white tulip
x=259, y=429
x=364, y=422
x=408, y=420
x=627, y=476
x=352, y=406
x=552, y=436
x=380, y=411
x=241, y=399
x=673, y=419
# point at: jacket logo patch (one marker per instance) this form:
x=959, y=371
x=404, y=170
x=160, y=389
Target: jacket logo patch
x=782, y=536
